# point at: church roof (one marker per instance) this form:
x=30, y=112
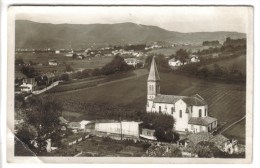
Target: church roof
x=195, y=100
x=153, y=75
x=204, y=121
x=167, y=98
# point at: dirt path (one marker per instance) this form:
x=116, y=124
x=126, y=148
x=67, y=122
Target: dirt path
x=234, y=123
x=138, y=73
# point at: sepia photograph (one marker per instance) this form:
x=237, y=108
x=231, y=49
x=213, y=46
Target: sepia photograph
x=131, y=82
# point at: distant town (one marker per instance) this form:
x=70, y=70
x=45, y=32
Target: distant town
x=156, y=99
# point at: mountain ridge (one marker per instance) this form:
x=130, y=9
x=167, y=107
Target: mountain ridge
x=30, y=34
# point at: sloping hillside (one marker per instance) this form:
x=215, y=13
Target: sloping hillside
x=30, y=34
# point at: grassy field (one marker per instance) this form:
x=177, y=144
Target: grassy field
x=226, y=101
x=170, y=51
x=237, y=62
x=95, y=62
x=43, y=58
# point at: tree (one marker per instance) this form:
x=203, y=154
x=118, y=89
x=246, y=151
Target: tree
x=118, y=64
x=182, y=55
x=43, y=115
x=26, y=133
x=29, y=71
x=161, y=62
x=68, y=68
x=19, y=61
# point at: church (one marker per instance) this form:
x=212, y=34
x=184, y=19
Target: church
x=190, y=112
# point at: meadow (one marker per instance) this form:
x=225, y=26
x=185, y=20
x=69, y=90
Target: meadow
x=170, y=51
x=226, y=101
x=43, y=58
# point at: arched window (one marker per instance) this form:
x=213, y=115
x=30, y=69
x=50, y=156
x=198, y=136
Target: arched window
x=172, y=109
x=160, y=109
x=199, y=112
x=180, y=113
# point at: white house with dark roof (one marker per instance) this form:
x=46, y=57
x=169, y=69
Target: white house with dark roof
x=190, y=112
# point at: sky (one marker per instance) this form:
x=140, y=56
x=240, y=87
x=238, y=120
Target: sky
x=173, y=18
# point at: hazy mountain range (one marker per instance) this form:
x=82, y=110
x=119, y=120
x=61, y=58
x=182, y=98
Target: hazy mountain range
x=30, y=34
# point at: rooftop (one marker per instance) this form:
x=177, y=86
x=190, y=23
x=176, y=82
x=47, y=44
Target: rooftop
x=205, y=136
x=167, y=98
x=204, y=121
x=195, y=100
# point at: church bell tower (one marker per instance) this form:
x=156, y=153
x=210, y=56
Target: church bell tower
x=153, y=82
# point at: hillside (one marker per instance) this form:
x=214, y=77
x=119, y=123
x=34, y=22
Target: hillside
x=30, y=34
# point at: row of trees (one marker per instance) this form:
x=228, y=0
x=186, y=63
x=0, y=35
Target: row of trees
x=210, y=43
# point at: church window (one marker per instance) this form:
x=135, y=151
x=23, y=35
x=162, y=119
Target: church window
x=180, y=113
x=160, y=110
x=199, y=112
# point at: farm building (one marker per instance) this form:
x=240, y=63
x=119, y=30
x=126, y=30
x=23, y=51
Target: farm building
x=148, y=134
x=129, y=129
x=189, y=112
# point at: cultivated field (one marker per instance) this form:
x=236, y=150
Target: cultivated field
x=170, y=51
x=237, y=131
x=226, y=101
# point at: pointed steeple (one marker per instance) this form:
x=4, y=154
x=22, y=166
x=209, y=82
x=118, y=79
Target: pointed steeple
x=153, y=75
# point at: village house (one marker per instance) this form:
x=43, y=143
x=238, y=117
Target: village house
x=194, y=59
x=132, y=61
x=53, y=62
x=28, y=85
x=190, y=112
x=174, y=62
x=26, y=88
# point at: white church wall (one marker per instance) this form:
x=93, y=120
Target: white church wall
x=181, y=119
x=195, y=111
x=149, y=106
